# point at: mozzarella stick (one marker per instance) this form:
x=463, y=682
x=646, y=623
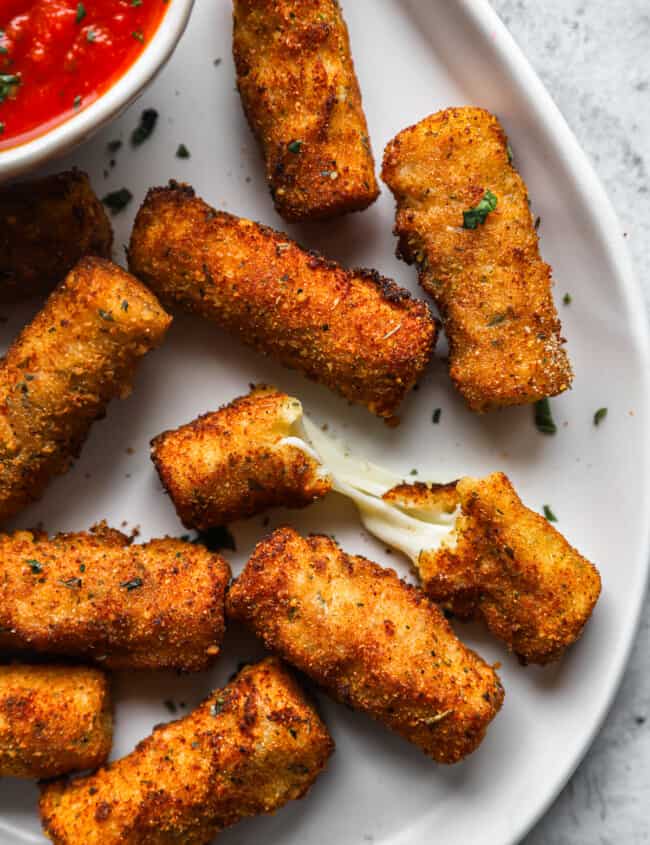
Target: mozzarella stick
x=301, y=96
x=463, y=218
x=238, y=461
x=355, y=332
x=372, y=641
x=53, y=720
x=59, y=374
x=155, y=605
x=248, y=749
x=504, y=563
x=46, y=226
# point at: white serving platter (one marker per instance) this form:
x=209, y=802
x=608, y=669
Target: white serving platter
x=413, y=58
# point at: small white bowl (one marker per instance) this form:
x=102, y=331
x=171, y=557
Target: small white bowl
x=63, y=137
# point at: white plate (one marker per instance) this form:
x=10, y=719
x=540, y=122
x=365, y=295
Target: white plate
x=412, y=59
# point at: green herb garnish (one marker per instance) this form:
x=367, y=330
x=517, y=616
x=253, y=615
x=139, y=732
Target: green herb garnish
x=71, y=583
x=117, y=201
x=495, y=319
x=81, y=12
x=548, y=513
x=125, y=305
x=8, y=84
x=478, y=214
x=182, y=151
x=435, y=419
x=567, y=299
x=106, y=315
x=544, y=418
x=170, y=705
x=137, y=34
x=91, y=35
x=35, y=565
x=599, y=416
x=114, y=146
x=143, y=130
x=217, y=706
x=294, y=146
x=77, y=101
x=133, y=584
x=136, y=3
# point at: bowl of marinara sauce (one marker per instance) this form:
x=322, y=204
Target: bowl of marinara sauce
x=69, y=67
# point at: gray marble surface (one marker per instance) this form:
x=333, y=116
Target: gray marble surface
x=594, y=58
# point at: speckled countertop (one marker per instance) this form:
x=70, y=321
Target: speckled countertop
x=594, y=58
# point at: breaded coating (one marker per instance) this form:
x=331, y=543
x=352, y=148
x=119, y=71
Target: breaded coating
x=372, y=641
x=508, y=565
x=235, y=462
x=353, y=331
x=59, y=374
x=487, y=278
x=46, y=226
x=155, y=605
x=53, y=720
x=248, y=749
x=301, y=96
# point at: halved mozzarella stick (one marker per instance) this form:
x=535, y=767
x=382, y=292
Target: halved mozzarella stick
x=248, y=749
x=46, y=226
x=504, y=563
x=355, y=332
x=301, y=96
x=53, y=720
x=155, y=605
x=56, y=379
x=369, y=639
x=238, y=461
x=463, y=217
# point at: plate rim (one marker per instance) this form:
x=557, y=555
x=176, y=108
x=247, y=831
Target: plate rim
x=494, y=32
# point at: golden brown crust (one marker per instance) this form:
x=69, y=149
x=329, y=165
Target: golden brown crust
x=248, y=749
x=301, y=96
x=353, y=331
x=156, y=605
x=369, y=639
x=59, y=374
x=490, y=284
x=53, y=720
x=513, y=568
x=232, y=464
x=46, y=226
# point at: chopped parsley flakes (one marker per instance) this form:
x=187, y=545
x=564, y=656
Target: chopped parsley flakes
x=544, y=417
x=144, y=129
x=478, y=214
x=599, y=416
x=117, y=201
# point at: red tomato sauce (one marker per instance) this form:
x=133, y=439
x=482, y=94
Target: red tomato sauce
x=58, y=56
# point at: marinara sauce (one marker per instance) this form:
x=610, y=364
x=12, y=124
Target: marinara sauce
x=57, y=56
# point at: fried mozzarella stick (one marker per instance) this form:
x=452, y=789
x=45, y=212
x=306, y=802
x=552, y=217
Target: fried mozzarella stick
x=53, y=720
x=301, y=96
x=353, y=331
x=369, y=639
x=155, y=605
x=505, y=563
x=463, y=217
x=46, y=226
x=248, y=749
x=238, y=461
x=78, y=353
